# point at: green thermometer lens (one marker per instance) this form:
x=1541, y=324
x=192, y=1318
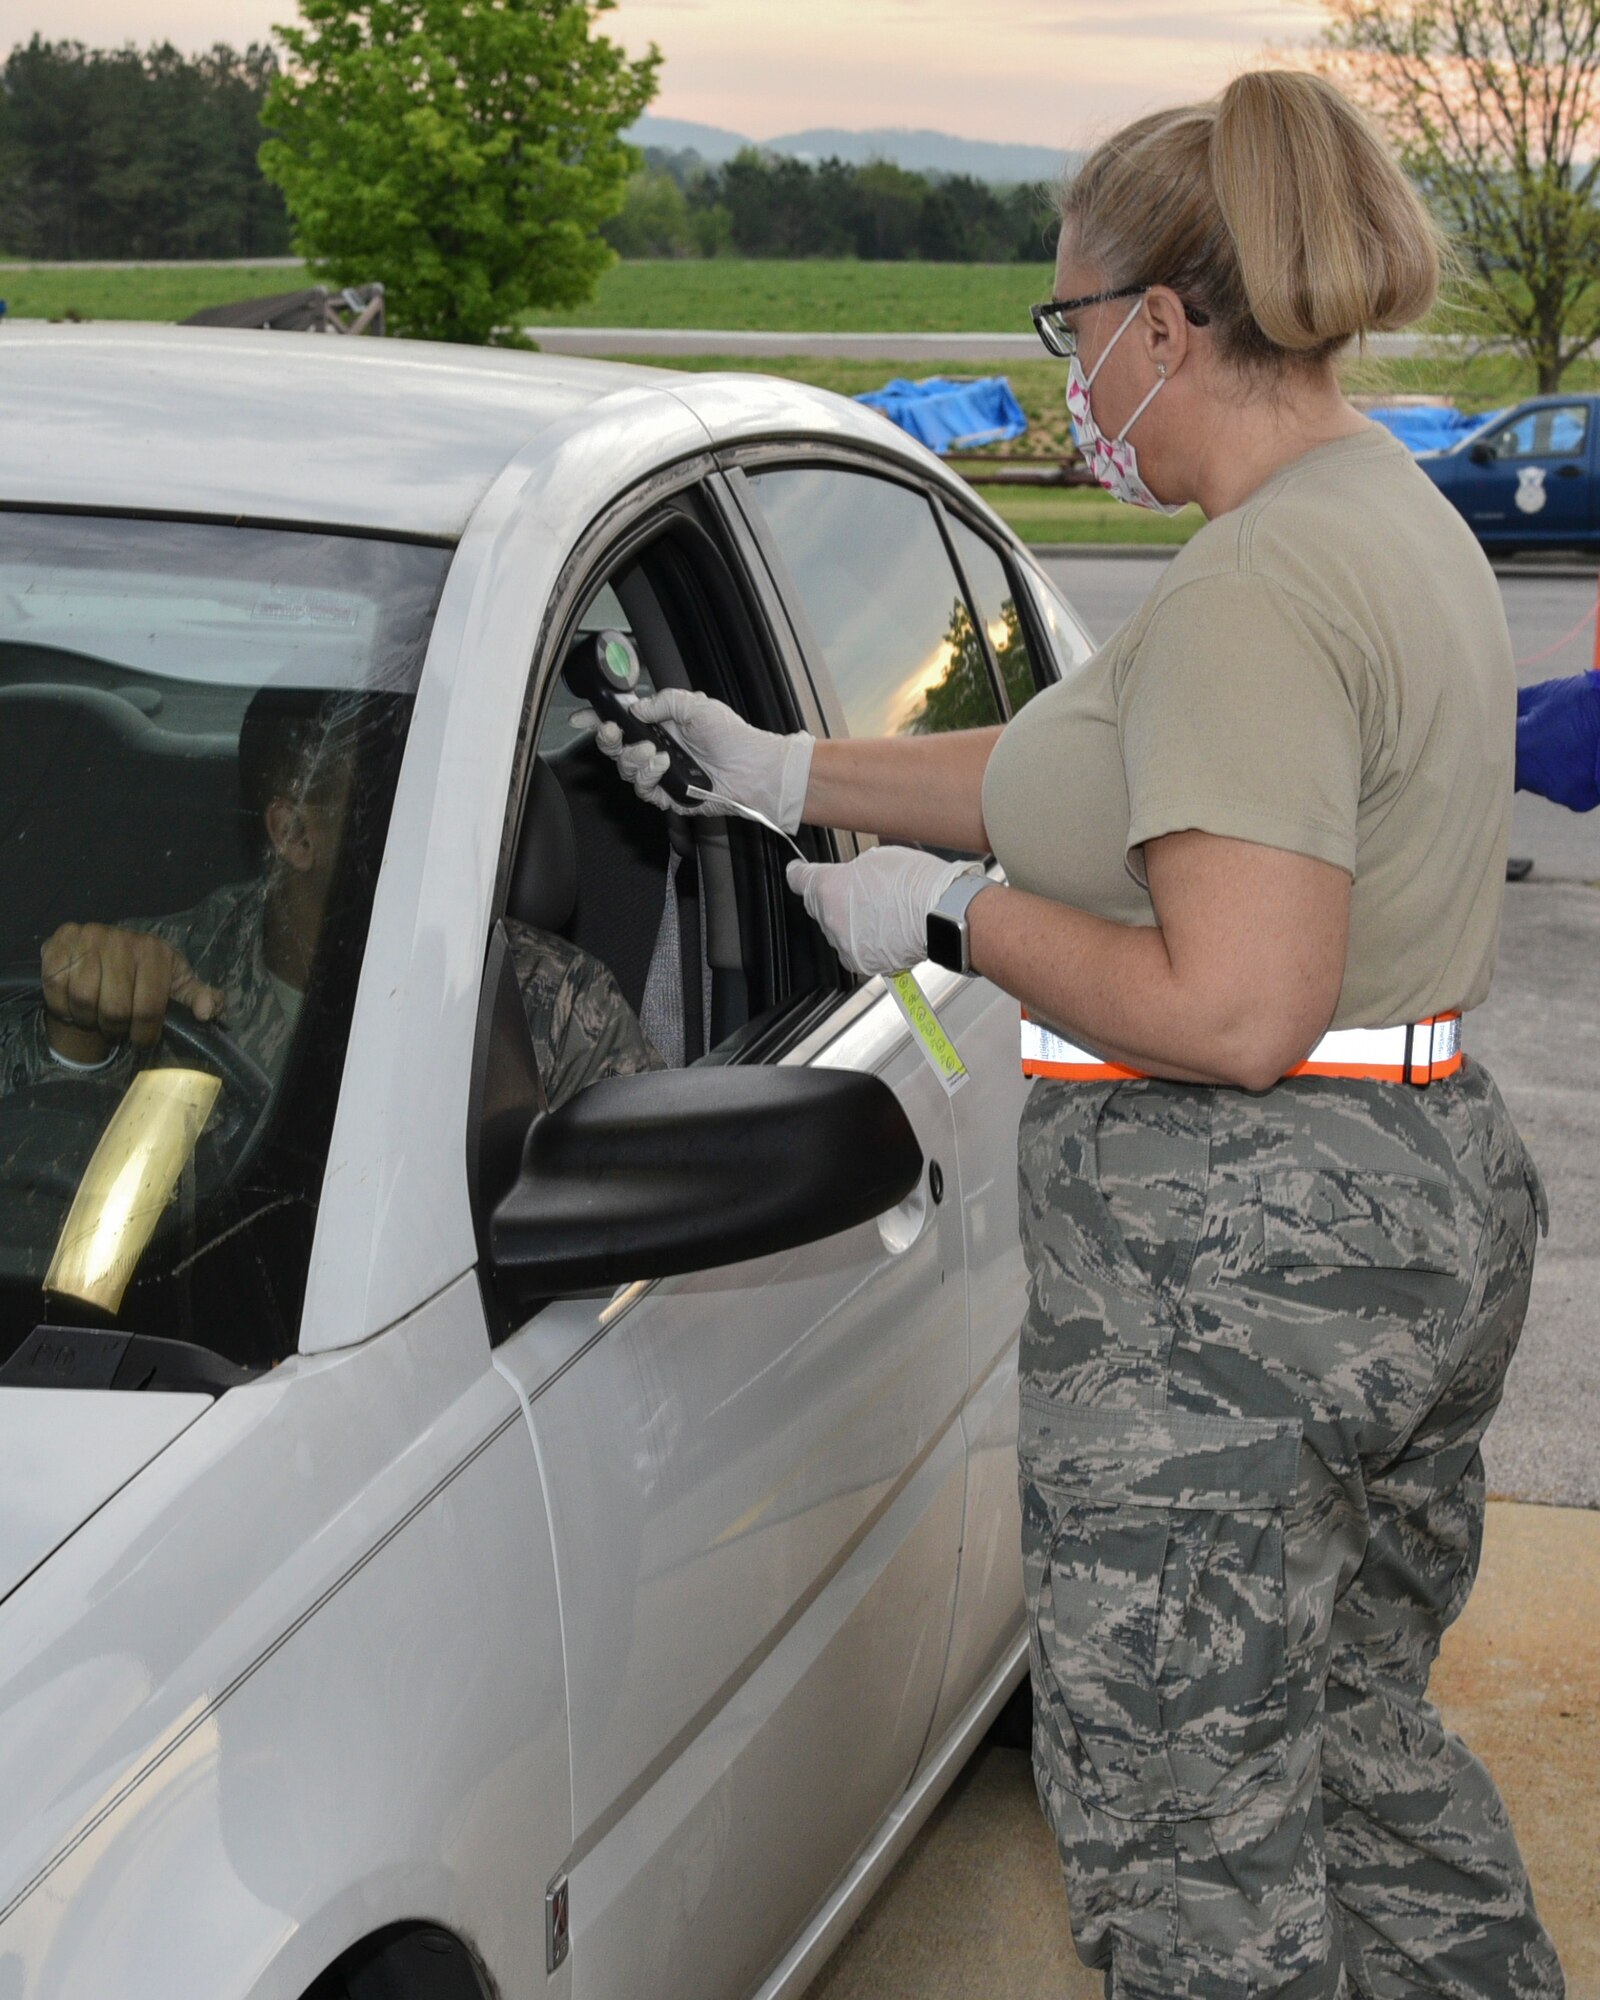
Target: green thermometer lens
x=619, y=664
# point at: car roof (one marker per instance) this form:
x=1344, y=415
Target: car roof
x=384, y=435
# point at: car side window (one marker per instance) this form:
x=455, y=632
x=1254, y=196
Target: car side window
x=995, y=600
x=887, y=610
x=1560, y=431
x=641, y=938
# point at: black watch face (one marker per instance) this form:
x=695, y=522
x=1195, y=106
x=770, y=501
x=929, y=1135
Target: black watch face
x=944, y=942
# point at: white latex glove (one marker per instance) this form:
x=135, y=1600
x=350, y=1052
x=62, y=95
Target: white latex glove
x=874, y=910
x=754, y=766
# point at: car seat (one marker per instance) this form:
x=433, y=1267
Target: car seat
x=614, y=876
x=107, y=815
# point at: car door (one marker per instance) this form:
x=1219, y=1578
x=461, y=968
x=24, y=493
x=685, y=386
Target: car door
x=913, y=621
x=1528, y=479
x=755, y=1474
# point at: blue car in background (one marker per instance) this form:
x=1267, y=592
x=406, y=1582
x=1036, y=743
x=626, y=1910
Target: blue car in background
x=1527, y=479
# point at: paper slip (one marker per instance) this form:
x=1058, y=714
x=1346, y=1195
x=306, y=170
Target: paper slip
x=925, y=1024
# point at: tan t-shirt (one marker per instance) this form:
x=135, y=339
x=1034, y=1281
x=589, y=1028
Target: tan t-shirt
x=1325, y=669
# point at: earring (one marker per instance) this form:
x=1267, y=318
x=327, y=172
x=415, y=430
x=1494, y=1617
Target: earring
x=1161, y=370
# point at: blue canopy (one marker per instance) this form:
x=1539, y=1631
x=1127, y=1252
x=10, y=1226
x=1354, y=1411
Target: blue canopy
x=1426, y=428
x=951, y=416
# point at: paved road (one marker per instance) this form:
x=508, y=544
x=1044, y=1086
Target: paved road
x=1539, y=1034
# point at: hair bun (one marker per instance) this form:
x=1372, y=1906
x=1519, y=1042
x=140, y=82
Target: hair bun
x=1332, y=240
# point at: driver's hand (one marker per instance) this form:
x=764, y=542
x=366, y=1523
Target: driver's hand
x=102, y=986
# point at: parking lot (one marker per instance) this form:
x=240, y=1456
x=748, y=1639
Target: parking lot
x=976, y=1907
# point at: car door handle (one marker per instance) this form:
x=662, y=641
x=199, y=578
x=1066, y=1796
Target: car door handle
x=902, y=1226
x=1570, y=472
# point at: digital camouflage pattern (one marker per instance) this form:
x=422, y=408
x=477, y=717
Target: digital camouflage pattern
x=582, y=1028
x=1264, y=1337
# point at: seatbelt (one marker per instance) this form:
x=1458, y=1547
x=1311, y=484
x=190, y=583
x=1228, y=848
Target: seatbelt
x=1415, y=1052
x=661, y=1007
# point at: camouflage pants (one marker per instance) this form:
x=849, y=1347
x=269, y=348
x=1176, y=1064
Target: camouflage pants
x=1264, y=1338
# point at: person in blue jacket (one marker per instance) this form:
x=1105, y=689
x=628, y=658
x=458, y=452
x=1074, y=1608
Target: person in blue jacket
x=1558, y=741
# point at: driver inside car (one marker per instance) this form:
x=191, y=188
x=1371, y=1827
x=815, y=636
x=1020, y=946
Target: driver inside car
x=242, y=956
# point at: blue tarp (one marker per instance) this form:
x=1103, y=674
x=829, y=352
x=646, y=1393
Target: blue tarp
x=1430, y=429
x=951, y=416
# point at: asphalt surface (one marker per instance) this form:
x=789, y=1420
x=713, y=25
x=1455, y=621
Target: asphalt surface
x=1539, y=1034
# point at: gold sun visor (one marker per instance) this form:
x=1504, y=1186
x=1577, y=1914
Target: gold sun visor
x=130, y=1179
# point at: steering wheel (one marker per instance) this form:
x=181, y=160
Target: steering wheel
x=212, y=1048
x=49, y=1128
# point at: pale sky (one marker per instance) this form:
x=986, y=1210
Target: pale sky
x=1045, y=72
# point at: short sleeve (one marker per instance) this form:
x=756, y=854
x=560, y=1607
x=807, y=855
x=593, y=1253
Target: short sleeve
x=1239, y=714
x=581, y=1027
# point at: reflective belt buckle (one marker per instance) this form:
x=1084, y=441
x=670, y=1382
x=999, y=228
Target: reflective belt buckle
x=1433, y=1049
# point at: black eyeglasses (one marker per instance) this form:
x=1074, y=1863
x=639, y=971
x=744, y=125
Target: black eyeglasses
x=1062, y=340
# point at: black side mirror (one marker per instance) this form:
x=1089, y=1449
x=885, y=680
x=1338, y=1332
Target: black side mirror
x=681, y=1170
x=1480, y=454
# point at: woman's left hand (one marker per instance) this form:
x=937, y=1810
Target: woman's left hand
x=874, y=910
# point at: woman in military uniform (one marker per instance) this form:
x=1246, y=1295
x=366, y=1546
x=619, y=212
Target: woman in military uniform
x=1279, y=1231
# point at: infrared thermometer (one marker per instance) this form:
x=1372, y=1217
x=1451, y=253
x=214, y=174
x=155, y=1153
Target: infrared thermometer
x=602, y=669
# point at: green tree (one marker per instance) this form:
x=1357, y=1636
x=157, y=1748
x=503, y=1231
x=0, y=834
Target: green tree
x=653, y=220
x=114, y=153
x=1012, y=656
x=466, y=152
x=1495, y=108
x=887, y=203
x=15, y=223
x=962, y=697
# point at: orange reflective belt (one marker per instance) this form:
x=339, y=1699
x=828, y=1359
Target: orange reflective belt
x=1415, y=1052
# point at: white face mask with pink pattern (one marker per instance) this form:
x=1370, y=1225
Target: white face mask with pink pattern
x=1113, y=461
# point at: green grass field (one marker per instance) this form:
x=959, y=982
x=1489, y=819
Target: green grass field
x=59, y=291
x=748, y=295
x=816, y=296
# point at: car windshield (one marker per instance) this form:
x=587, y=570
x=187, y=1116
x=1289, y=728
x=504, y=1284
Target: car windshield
x=203, y=726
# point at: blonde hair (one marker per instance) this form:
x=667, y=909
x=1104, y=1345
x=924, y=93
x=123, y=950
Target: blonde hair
x=1275, y=209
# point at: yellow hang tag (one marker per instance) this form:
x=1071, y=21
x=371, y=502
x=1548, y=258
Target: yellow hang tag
x=925, y=1024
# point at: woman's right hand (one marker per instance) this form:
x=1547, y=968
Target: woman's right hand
x=754, y=767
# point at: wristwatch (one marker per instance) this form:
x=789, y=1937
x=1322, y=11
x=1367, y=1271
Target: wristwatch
x=947, y=922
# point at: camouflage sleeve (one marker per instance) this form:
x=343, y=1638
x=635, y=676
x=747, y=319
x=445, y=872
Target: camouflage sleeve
x=582, y=1028
x=220, y=936
x=25, y=1055
x=22, y=1051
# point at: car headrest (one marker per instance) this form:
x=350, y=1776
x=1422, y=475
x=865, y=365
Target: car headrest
x=544, y=877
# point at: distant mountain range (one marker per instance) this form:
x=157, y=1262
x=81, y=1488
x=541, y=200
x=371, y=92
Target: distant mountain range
x=918, y=152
